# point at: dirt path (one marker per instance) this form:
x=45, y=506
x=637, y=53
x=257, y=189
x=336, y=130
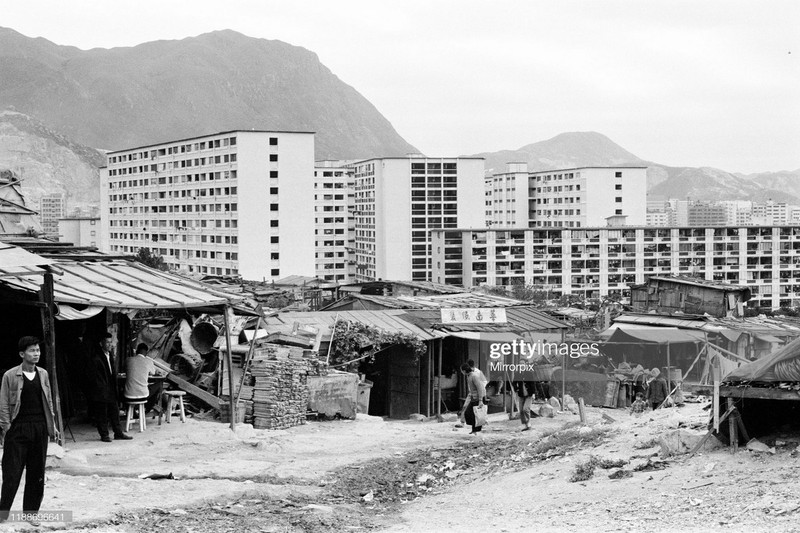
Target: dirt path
x=408, y=476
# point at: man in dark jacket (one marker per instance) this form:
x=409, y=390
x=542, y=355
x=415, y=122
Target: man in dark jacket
x=27, y=421
x=657, y=391
x=103, y=390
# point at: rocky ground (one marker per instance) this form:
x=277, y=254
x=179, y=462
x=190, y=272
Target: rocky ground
x=617, y=474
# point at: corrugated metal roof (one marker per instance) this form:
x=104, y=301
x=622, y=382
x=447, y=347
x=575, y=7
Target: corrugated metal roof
x=708, y=284
x=433, y=301
x=520, y=319
x=755, y=325
x=389, y=320
x=124, y=285
x=15, y=261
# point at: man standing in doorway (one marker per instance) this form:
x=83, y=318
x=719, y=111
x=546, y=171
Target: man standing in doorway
x=104, y=391
x=27, y=421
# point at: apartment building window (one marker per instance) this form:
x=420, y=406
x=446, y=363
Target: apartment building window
x=273, y=223
x=273, y=157
x=617, y=174
x=273, y=141
x=618, y=199
x=273, y=240
x=618, y=212
x=618, y=186
x=275, y=272
x=273, y=207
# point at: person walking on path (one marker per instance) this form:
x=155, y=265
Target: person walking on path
x=524, y=391
x=27, y=421
x=475, y=397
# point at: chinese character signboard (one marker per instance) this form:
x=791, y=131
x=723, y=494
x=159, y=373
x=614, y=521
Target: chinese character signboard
x=473, y=315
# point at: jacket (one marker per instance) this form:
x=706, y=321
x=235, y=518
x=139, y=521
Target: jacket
x=11, y=391
x=530, y=387
x=657, y=391
x=103, y=384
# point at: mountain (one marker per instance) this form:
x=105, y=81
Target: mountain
x=581, y=149
x=158, y=91
x=47, y=162
x=786, y=180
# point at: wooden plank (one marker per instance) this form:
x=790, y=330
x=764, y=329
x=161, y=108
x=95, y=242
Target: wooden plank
x=197, y=392
x=582, y=410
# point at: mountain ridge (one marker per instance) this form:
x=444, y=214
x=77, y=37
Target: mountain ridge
x=162, y=90
x=589, y=148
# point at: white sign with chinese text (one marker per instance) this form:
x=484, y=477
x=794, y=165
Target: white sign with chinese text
x=473, y=315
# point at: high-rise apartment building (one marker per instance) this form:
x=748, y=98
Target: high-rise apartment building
x=399, y=200
x=334, y=201
x=577, y=197
x=707, y=214
x=51, y=208
x=588, y=196
x=234, y=202
x=594, y=262
x=508, y=193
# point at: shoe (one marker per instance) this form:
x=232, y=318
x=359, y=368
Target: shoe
x=105, y=438
x=526, y=428
x=122, y=436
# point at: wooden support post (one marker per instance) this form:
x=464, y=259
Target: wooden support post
x=49, y=333
x=229, y=364
x=733, y=433
x=248, y=359
x=740, y=424
x=439, y=388
x=582, y=410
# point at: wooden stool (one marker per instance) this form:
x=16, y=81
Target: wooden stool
x=140, y=418
x=175, y=407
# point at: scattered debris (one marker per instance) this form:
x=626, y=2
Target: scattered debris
x=755, y=445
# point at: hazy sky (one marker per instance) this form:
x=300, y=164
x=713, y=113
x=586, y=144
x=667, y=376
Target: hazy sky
x=694, y=83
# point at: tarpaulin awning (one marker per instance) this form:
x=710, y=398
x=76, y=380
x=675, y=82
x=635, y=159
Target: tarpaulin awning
x=120, y=284
x=781, y=365
x=654, y=336
x=67, y=312
x=767, y=338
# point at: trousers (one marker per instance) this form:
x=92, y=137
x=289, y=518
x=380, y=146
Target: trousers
x=524, y=403
x=24, y=448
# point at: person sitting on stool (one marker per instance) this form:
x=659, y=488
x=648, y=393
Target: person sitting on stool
x=137, y=368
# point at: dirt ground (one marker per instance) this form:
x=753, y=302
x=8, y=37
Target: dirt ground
x=408, y=476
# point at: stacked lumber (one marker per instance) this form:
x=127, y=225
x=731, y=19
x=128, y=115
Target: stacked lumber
x=280, y=386
x=280, y=395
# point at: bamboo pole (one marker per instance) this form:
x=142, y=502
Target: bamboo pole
x=330, y=342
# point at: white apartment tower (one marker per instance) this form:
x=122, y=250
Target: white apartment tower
x=334, y=233
x=51, y=208
x=508, y=192
x=399, y=200
x=588, y=196
x=234, y=202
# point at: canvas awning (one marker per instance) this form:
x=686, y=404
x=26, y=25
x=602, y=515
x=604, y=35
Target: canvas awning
x=119, y=284
x=660, y=336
